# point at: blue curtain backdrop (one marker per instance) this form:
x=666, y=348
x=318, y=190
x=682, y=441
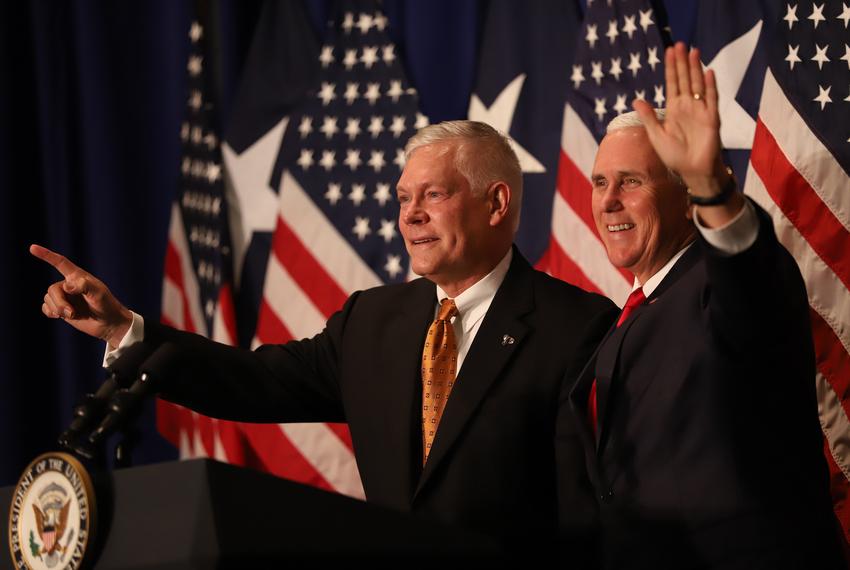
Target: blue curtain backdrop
x=92, y=94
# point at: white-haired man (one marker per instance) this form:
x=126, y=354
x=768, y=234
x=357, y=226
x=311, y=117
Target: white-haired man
x=702, y=432
x=487, y=440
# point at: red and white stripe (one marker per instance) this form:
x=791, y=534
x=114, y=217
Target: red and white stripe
x=798, y=181
x=576, y=253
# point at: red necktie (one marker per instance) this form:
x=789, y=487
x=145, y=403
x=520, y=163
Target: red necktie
x=636, y=297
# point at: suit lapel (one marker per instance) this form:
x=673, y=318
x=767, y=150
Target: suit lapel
x=399, y=400
x=608, y=353
x=486, y=359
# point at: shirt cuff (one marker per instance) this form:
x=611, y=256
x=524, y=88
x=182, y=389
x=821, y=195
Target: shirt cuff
x=134, y=335
x=737, y=235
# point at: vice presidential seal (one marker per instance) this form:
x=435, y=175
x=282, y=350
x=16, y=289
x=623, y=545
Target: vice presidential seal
x=51, y=521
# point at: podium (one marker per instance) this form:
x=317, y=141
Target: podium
x=206, y=514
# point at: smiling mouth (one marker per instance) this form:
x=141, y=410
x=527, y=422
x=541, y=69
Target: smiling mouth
x=619, y=227
x=421, y=241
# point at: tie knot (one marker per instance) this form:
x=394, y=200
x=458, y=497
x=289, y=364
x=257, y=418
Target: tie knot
x=636, y=297
x=447, y=310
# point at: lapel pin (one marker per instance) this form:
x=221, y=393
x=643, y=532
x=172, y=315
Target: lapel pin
x=507, y=339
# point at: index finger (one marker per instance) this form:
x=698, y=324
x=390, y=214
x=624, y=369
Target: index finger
x=61, y=263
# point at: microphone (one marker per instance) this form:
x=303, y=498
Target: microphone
x=126, y=402
x=120, y=374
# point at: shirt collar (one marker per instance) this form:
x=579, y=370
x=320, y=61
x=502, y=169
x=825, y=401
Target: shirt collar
x=659, y=276
x=473, y=303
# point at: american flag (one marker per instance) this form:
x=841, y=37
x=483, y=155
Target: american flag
x=619, y=58
x=322, y=176
x=798, y=171
x=197, y=285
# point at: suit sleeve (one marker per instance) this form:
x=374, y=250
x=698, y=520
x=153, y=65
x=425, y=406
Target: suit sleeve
x=293, y=382
x=753, y=294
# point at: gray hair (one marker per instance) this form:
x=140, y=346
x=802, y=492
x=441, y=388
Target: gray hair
x=632, y=120
x=483, y=156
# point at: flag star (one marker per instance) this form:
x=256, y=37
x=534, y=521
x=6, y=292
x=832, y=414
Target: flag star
x=817, y=14
x=791, y=15
x=351, y=92
x=376, y=160
x=652, y=57
x=379, y=21
x=184, y=131
x=361, y=228
x=640, y=94
x=329, y=127
x=186, y=166
x=395, y=91
x=612, y=32
x=348, y=22
x=792, y=56
x=352, y=128
x=646, y=19
x=659, y=96
x=592, y=36
x=600, y=108
x=195, y=99
x=399, y=158
x=373, y=93
x=364, y=23
x=358, y=194
x=616, y=67
x=620, y=106
x=350, y=59
x=577, y=77
x=597, y=71
x=327, y=56
x=388, y=53
x=393, y=266
x=328, y=160
x=327, y=92
x=629, y=26
x=820, y=56
x=195, y=65
x=215, y=207
x=387, y=230
x=421, y=121
x=352, y=159
x=397, y=127
x=376, y=126
x=213, y=172
x=210, y=308
x=305, y=161
x=334, y=193
x=197, y=134
x=845, y=15
x=846, y=56
x=382, y=194
x=196, y=32
x=634, y=63
x=370, y=56
x=306, y=126
x=823, y=96
x=210, y=140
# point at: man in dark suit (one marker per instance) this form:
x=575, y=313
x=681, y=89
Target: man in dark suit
x=700, y=410
x=506, y=458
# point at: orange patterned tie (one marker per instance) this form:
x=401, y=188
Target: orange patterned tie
x=439, y=366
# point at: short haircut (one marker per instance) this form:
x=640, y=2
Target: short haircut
x=483, y=155
x=631, y=120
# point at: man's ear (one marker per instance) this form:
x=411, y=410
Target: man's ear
x=498, y=201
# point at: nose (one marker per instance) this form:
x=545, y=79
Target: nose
x=412, y=212
x=609, y=200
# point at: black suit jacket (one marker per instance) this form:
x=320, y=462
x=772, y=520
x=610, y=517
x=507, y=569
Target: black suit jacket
x=506, y=460
x=709, y=452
